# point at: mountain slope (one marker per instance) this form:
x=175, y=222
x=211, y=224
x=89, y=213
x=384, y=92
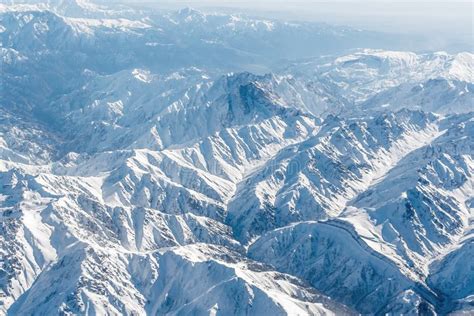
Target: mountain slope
x=435, y=95
x=315, y=179
x=407, y=219
x=142, y=172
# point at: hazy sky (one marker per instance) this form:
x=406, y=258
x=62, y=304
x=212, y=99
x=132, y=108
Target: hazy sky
x=444, y=20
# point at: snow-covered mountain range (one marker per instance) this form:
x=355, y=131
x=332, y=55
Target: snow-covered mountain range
x=148, y=167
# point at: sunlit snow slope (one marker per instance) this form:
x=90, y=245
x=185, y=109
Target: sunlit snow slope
x=148, y=167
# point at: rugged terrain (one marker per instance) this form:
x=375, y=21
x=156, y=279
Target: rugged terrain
x=145, y=168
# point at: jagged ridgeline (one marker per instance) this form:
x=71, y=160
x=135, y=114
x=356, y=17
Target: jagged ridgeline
x=184, y=162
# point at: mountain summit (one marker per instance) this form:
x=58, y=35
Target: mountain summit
x=186, y=162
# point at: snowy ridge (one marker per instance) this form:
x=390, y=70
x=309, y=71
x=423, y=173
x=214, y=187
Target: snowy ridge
x=364, y=277
x=316, y=178
x=435, y=95
x=144, y=168
x=362, y=76
x=141, y=205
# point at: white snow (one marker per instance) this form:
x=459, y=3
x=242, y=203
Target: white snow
x=137, y=176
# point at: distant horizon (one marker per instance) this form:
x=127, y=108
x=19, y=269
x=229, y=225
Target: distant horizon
x=443, y=25
x=448, y=24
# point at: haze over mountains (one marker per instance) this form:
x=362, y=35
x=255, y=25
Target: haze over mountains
x=204, y=163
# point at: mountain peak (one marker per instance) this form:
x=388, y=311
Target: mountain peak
x=147, y=167
x=188, y=15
